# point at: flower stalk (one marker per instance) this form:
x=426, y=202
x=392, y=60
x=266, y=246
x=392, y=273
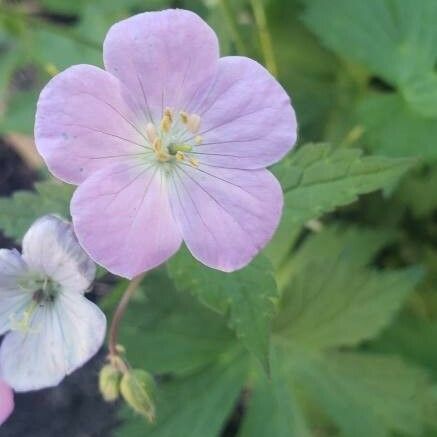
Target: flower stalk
x=118, y=316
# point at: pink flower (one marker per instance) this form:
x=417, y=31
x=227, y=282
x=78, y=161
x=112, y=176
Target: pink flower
x=169, y=143
x=6, y=401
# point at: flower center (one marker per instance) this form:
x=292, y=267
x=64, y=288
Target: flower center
x=175, y=138
x=44, y=291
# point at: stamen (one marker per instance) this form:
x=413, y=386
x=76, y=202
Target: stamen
x=198, y=139
x=194, y=162
x=160, y=153
x=157, y=145
x=193, y=123
x=184, y=117
x=151, y=132
x=167, y=120
x=180, y=156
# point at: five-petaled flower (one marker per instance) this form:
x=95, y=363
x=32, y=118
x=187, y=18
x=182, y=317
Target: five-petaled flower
x=169, y=143
x=51, y=328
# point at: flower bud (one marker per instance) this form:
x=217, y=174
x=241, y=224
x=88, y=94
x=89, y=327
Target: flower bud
x=109, y=383
x=137, y=388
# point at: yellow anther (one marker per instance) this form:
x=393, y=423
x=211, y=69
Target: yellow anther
x=180, y=156
x=193, y=123
x=160, y=153
x=198, y=139
x=169, y=113
x=157, y=145
x=167, y=120
x=194, y=162
x=151, y=133
x=184, y=117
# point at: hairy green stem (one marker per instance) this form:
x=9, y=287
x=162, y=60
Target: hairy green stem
x=264, y=36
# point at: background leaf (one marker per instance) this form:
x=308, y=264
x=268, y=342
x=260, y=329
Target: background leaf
x=248, y=296
x=20, y=210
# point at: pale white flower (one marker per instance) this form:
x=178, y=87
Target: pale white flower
x=51, y=328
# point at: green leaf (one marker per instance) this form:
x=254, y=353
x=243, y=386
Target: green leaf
x=394, y=128
x=248, y=296
x=421, y=94
x=358, y=245
x=20, y=113
x=195, y=406
x=366, y=395
x=395, y=39
x=20, y=210
x=343, y=303
x=167, y=331
x=274, y=409
x=416, y=192
x=311, y=80
x=402, y=338
x=318, y=178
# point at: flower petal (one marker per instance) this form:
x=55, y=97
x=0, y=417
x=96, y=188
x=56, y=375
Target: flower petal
x=226, y=216
x=6, y=401
x=13, y=300
x=247, y=118
x=85, y=119
x=123, y=219
x=63, y=336
x=50, y=247
x=163, y=57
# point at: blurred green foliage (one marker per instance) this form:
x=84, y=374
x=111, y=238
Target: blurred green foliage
x=332, y=330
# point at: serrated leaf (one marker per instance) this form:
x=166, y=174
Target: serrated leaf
x=20, y=210
x=318, y=178
x=195, y=406
x=166, y=331
x=248, y=297
x=358, y=245
x=366, y=395
x=274, y=409
x=396, y=40
x=332, y=301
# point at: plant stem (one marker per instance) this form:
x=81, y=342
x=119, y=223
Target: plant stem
x=233, y=27
x=53, y=28
x=264, y=36
x=119, y=313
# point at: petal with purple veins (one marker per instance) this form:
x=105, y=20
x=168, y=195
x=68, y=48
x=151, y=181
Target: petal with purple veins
x=226, y=216
x=122, y=218
x=247, y=119
x=163, y=57
x=85, y=120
